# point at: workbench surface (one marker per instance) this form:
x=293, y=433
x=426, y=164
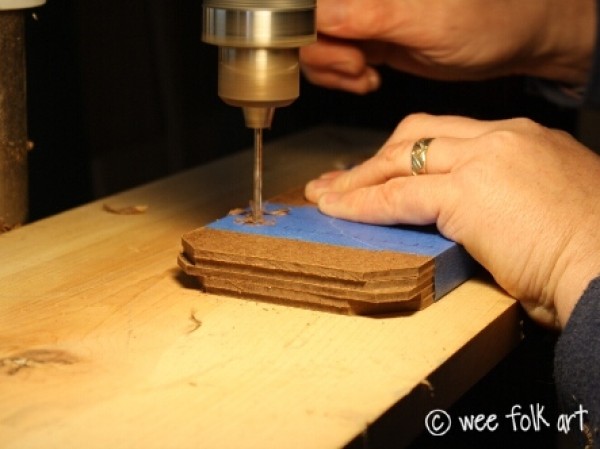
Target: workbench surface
x=105, y=343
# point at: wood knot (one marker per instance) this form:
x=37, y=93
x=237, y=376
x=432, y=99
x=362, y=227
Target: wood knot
x=34, y=358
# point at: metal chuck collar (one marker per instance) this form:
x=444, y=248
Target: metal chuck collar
x=258, y=44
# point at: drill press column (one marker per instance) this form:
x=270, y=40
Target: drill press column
x=13, y=113
x=259, y=69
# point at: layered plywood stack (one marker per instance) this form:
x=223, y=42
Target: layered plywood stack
x=303, y=258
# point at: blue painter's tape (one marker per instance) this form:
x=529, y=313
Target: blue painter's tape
x=306, y=223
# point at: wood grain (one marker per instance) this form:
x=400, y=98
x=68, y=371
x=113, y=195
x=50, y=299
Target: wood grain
x=104, y=344
x=307, y=274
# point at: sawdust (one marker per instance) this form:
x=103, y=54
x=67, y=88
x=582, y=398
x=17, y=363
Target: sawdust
x=5, y=227
x=245, y=216
x=126, y=210
x=196, y=323
x=429, y=386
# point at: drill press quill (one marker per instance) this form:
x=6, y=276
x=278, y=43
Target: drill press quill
x=259, y=70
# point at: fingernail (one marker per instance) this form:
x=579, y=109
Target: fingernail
x=347, y=67
x=314, y=189
x=374, y=80
x=329, y=175
x=329, y=198
x=319, y=184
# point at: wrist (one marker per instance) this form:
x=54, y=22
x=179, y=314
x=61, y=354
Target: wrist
x=576, y=269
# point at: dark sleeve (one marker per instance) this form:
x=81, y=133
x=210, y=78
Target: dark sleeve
x=577, y=366
x=592, y=91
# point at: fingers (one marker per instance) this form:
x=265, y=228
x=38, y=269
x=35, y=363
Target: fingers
x=331, y=174
x=338, y=65
x=456, y=141
x=418, y=126
x=334, y=54
x=392, y=161
x=411, y=200
x=366, y=82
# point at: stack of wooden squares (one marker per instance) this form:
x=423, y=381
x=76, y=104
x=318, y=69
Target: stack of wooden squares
x=304, y=258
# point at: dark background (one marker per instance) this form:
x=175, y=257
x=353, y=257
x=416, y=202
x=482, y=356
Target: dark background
x=124, y=92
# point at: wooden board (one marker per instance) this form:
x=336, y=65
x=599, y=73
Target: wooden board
x=104, y=343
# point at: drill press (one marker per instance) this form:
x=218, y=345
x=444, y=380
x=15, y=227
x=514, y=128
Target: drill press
x=259, y=70
x=13, y=113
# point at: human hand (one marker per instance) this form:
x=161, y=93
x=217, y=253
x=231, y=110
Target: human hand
x=450, y=40
x=522, y=199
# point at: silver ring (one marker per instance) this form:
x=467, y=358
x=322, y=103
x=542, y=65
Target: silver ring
x=418, y=156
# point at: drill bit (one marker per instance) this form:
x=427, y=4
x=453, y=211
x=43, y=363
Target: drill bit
x=257, y=208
